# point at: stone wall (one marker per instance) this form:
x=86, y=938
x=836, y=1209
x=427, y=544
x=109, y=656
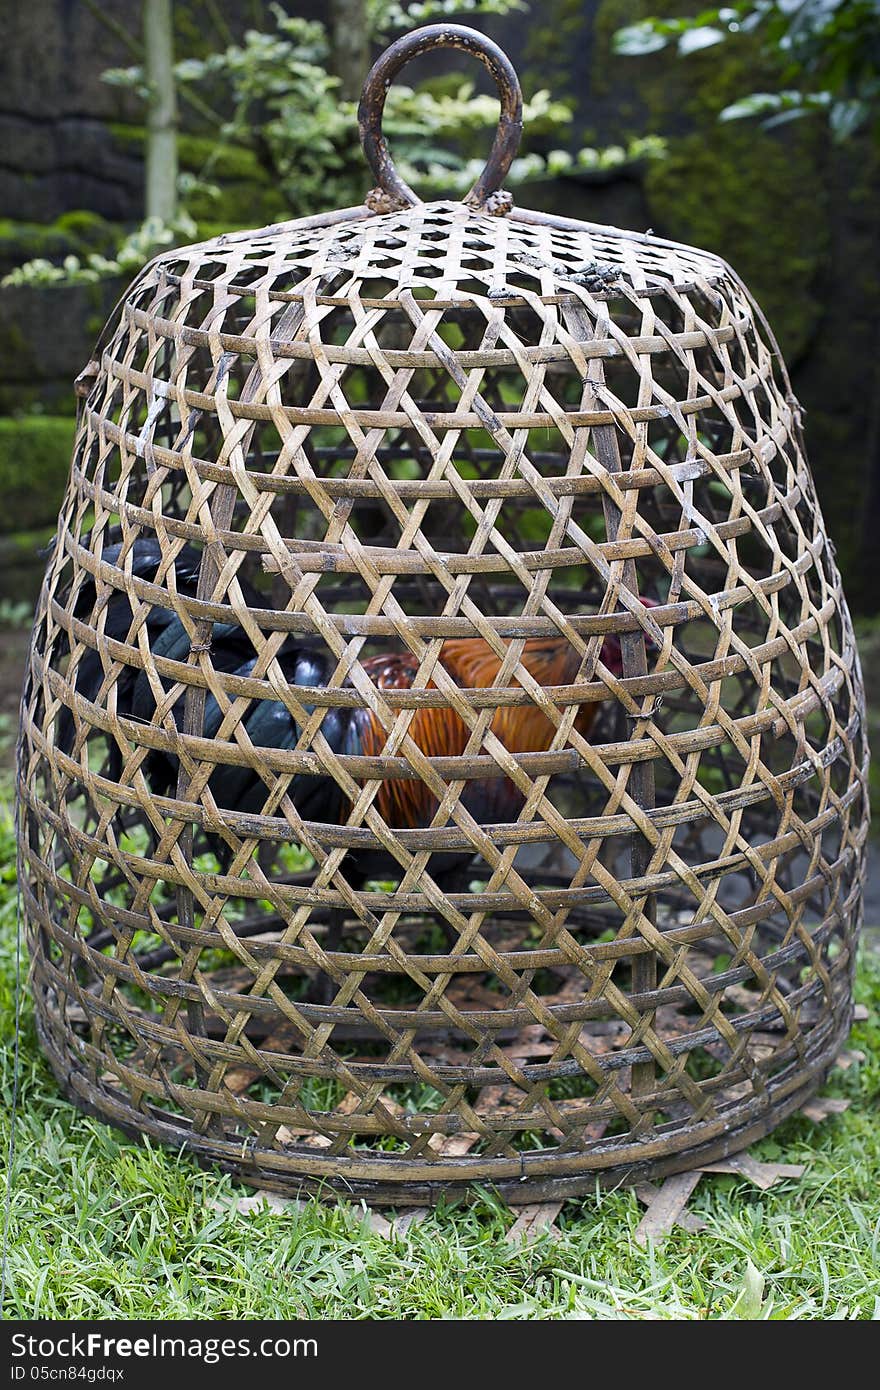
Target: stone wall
x=57, y=153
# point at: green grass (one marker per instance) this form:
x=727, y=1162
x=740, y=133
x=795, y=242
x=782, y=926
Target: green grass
x=103, y=1228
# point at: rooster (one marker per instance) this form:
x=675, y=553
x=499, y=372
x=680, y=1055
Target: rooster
x=438, y=732
x=144, y=557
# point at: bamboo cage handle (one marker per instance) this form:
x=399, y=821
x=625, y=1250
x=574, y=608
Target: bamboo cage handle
x=396, y=191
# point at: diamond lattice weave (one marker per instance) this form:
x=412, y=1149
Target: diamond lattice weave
x=443, y=749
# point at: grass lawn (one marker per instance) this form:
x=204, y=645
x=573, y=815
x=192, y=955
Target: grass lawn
x=102, y=1227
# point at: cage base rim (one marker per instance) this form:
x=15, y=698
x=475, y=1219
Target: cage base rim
x=252, y=1170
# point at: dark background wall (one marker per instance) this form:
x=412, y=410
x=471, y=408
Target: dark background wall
x=798, y=218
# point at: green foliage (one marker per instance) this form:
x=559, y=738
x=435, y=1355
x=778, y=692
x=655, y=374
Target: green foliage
x=730, y=187
x=826, y=52
x=86, y=269
x=16, y=613
x=78, y=233
x=88, y=230
x=742, y=194
x=34, y=464
x=650, y=35
x=222, y=185
x=286, y=106
x=283, y=104
x=387, y=17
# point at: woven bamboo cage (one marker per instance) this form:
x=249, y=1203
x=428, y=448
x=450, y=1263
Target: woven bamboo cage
x=356, y=448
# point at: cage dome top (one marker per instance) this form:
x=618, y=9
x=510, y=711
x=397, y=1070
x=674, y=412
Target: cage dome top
x=481, y=247
x=449, y=249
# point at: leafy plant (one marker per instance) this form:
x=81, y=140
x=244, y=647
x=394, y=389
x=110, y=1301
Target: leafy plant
x=16, y=613
x=286, y=105
x=386, y=17
x=827, y=53
x=134, y=251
